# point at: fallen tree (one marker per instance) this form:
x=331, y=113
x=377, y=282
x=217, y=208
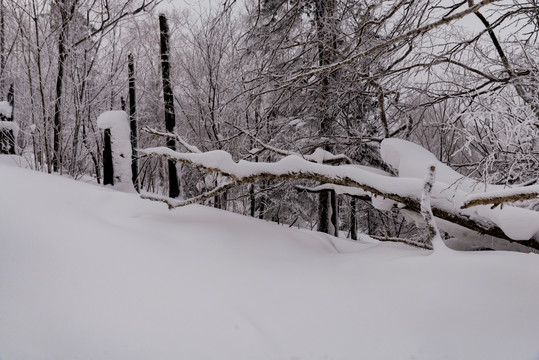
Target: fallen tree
x=481, y=224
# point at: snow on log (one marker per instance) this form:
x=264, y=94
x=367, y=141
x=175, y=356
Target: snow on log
x=118, y=123
x=405, y=191
x=410, y=160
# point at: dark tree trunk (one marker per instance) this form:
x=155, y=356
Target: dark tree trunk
x=327, y=200
x=170, y=119
x=262, y=197
x=108, y=169
x=10, y=135
x=353, y=218
x=7, y=137
x=2, y=45
x=62, y=56
x=252, y=200
x=133, y=122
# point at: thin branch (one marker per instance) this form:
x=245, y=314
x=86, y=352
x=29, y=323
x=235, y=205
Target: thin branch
x=412, y=33
x=178, y=138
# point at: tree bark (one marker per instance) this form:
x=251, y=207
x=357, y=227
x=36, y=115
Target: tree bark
x=353, y=218
x=133, y=122
x=2, y=45
x=327, y=200
x=108, y=169
x=170, y=118
x=62, y=56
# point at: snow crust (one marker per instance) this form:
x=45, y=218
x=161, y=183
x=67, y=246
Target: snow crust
x=102, y=274
x=6, y=109
x=118, y=123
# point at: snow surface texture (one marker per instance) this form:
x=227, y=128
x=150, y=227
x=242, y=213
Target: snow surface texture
x=118, y=123
x=5, y=109
x=89, y=273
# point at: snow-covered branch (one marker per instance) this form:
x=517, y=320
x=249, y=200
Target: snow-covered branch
x=405, y=191
x=501, y=196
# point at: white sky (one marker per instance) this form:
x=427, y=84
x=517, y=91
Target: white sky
x=193, y=5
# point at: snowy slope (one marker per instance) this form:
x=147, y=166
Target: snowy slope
x=90, y=273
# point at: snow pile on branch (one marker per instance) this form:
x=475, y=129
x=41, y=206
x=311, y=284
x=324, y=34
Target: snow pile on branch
x=322, y=156
x=118, y=123
x=6, y=109
x=411, y=160
x=10, y=125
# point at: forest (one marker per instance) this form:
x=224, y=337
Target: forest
x=412, y=121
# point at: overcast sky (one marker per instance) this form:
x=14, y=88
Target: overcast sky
x=193, y=5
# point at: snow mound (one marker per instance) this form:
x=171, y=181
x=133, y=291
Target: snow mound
x=87, y=272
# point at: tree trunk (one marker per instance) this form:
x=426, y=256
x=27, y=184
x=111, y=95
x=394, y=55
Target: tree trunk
x=62, y=56
x=353, y=218
x=133, y=122
x=10, y=134
x=327, y=200
x=7, y=137
x=170, y=119
x=2, y=45
x=108, y=169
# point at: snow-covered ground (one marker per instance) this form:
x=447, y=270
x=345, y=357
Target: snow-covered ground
x=87, y=272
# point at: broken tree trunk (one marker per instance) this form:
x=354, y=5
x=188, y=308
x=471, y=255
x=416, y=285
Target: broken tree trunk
x=133, y=121
x=170, y=119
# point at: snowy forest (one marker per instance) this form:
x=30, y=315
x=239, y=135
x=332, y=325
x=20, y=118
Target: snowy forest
x=269, y=179
x=409, y=121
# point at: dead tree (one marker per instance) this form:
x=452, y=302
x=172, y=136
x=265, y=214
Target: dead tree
x=133, y=121
x=108, y=168
x=168, y=96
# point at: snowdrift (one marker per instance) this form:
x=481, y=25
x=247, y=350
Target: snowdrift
x=91, y=273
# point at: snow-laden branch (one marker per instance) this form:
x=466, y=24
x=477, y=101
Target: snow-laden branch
x=405, y=191
x=501, y=196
